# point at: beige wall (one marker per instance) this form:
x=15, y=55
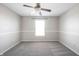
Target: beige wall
x=69, y=29
x=28, y=29
x=9, y=29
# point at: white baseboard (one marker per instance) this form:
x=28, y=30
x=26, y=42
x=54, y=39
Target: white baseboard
x=69, y=48
x=37, y=41
x=9, y=48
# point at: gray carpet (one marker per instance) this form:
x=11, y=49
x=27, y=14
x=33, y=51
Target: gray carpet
x=40, y=49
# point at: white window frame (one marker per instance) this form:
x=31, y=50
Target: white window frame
x=39, y=27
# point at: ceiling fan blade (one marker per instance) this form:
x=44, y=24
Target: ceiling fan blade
x=46, y=9
x=28, y=6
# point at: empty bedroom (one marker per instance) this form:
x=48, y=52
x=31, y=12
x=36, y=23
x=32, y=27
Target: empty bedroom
x=39, y=29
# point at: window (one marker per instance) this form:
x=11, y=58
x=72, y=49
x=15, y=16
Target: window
x=40, y=27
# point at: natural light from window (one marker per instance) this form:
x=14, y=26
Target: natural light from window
x=39, y=27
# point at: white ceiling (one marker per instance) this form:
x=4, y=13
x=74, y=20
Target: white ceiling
x=57, y=8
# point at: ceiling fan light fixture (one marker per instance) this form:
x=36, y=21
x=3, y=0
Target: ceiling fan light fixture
x=36, y=12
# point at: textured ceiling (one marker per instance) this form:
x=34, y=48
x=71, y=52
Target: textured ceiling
x=57, y=8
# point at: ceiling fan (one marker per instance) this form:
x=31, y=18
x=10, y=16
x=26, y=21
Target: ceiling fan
x=38, y=8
